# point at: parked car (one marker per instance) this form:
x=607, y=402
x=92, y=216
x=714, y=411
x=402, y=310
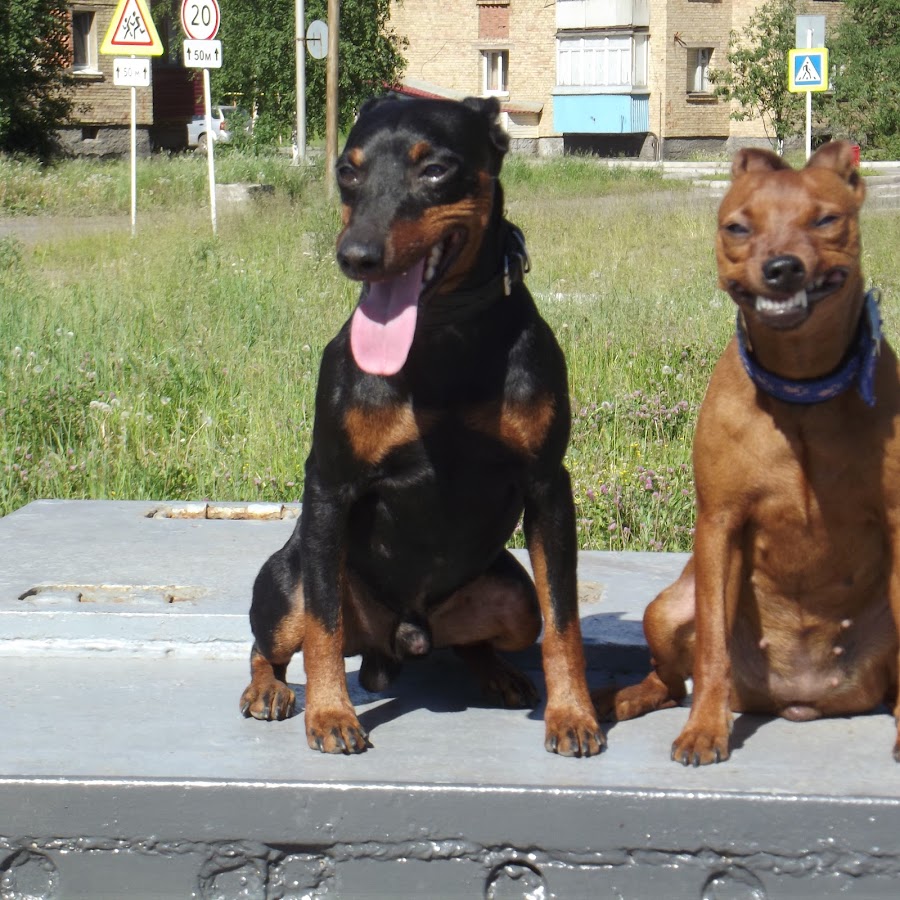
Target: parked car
x=222, y=118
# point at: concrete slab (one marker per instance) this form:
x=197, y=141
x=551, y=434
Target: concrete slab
x=126, y=769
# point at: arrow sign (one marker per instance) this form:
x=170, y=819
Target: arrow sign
x=203, y=54
x=132, y=31
x=808, y=69
x=131, y=72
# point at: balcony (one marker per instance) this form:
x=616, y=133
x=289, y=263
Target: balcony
x=583, y=14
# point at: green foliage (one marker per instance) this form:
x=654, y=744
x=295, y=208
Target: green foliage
x=865, y=54
x=756, y=76
x=259, y=62
x=33, y=77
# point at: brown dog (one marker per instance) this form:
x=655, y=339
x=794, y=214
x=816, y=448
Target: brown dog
x=788, y=606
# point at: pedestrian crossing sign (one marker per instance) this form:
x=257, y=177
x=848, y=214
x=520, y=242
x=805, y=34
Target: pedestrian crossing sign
x=808, y=69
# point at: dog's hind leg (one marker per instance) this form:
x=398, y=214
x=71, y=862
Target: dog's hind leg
x=669, y=629
x=498, y=611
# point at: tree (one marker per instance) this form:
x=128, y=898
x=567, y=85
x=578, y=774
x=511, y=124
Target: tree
x=258, y=61
x=34, y=58
x=757, y=76
x=865, y=55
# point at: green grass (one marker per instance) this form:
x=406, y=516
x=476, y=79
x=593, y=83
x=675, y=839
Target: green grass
x=177, y=365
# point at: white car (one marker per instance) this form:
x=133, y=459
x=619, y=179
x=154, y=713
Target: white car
x=221, y=131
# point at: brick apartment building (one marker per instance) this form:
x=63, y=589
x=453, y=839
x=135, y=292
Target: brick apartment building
x=625, y=77
x=102, y=112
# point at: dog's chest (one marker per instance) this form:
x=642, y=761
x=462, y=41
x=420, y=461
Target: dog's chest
x=405, y=433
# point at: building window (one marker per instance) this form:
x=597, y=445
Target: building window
x=698, y=70
x=84, y=42
x=496, y=71
x=602, y=60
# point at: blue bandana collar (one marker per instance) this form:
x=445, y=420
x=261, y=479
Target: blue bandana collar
x=858, y=366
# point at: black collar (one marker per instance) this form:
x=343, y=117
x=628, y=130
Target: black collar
x=448, y=309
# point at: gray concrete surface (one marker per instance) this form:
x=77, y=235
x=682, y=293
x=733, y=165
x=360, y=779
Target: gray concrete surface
x=127, y=771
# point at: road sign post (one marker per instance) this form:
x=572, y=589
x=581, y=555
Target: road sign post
x=200, y=21
x=331, y=94
x=808, y=72
x=132, y=31
x=299, y=148
x=808, y=65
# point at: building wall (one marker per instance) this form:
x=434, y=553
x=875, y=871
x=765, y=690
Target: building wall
x=446, y=37
x=442, y=37
x=678, y=29
x=533, y=58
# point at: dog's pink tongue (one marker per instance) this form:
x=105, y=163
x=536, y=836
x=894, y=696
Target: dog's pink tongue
x=383, y=326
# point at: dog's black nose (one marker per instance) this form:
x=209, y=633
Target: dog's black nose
x=359, y=258
x=785, y=273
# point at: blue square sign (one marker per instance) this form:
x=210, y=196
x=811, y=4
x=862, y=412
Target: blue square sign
x=808, y=69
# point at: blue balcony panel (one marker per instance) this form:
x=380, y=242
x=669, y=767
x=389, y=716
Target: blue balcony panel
x=601, y=113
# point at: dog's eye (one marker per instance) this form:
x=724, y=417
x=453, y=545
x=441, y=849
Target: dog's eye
x=737, y=229
x=347, y=176
x=825, y=221
x=434, y=171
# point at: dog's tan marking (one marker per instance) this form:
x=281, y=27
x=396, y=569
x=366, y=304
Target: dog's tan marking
x=419, y=151
x=287, y=638
x=409, y=241
x=521, y=426
x=376, y=432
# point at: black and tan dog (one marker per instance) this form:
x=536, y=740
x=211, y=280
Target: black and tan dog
x=790, y=602
x=441, y=414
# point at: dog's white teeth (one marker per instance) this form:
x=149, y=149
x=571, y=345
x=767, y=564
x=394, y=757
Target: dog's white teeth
x=798, y=301
x=434, y=258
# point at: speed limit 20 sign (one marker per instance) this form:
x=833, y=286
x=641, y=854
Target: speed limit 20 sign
x=200, y=19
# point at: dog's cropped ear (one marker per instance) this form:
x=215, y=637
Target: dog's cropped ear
x=838, y=156
x=374, y=103
x=753, y=159
x=489, y=109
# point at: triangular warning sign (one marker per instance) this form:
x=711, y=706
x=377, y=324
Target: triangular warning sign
x=132, y=31
x=807, y=73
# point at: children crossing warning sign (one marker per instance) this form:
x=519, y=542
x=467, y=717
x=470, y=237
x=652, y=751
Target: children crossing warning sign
x=808, y=69
x=132, y=31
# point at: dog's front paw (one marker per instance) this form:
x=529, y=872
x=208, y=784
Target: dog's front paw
x=267, y=700
x=335, y=731
x=700, y=747
x=573, y=732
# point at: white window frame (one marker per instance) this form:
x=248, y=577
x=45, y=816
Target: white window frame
x=84, y=41
x=699, y=59
x=602, y=60
x=488, y=57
